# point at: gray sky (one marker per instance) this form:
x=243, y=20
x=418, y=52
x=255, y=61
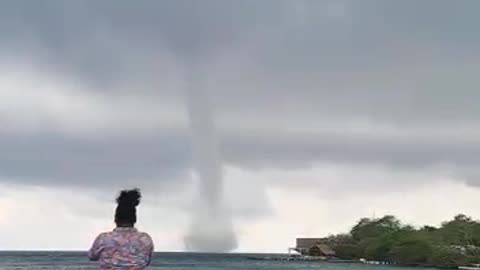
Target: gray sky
x=348, y=106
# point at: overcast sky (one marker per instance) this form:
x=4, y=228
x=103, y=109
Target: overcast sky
x=327, y=111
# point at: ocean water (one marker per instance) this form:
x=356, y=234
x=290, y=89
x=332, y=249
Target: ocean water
x=174, y=261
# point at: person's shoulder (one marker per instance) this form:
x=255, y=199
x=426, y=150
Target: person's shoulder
x=145, y=236
x=104, y=234
x=102, y=237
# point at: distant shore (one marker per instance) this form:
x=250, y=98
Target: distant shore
x=387, y=240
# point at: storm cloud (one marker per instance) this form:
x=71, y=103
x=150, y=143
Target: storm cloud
x=92, y=93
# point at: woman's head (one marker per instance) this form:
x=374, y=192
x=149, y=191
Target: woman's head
x=126, y=212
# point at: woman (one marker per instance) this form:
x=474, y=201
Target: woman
x=124, y=247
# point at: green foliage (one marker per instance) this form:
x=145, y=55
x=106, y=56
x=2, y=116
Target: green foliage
x=368, y=228
x=347, y=251
x=411, y=250
x=456, y=242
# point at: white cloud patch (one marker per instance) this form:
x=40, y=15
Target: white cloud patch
x=27, y=213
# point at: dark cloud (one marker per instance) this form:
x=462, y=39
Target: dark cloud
x=101, y=41
x=271, y=64
x=406, y=153
x=166, y=158
x=57, y=160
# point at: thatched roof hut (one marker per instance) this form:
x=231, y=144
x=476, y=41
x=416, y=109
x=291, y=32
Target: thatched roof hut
x=321, y=250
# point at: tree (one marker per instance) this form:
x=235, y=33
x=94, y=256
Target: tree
x=461, y=231
x=412, y=250
x=378, y=248
x=428, y=228
x=367, y=228
x=348, y=251
x=456, y=242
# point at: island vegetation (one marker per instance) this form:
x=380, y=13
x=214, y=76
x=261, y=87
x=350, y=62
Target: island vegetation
x=387, y=239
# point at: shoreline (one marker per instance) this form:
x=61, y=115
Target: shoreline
x=301, y=258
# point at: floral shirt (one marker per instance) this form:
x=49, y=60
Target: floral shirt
x=122, y=249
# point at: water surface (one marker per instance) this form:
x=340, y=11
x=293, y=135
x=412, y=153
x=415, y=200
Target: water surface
x=175, y=261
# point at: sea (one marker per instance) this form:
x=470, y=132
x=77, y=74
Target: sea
x=176, y=261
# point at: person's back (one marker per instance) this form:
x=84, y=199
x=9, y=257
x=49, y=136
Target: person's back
x=125, y=247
